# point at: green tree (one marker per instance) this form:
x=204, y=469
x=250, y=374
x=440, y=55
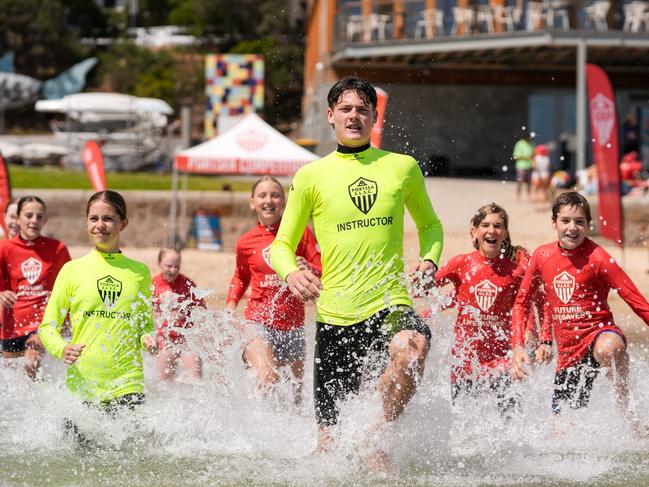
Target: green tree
x=37, y=33
x=174, y=76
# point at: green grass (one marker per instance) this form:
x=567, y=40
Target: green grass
x=57, y=178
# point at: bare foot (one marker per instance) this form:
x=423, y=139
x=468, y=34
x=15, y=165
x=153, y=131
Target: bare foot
x=325, y=442
x=379, y=461
x=639, y=429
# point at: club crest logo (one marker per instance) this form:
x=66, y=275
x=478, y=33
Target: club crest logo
x=32, y=269
x=251, y=140
x=603, y=113
x=109, y=289
x=485, y=294
x=363, y=193
x=266, y=255
x=564, y=286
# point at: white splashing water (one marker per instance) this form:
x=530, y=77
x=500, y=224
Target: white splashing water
x=222, y=432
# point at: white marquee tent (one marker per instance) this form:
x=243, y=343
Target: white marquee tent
x=249, y=147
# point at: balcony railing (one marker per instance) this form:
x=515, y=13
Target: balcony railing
x=408, y=20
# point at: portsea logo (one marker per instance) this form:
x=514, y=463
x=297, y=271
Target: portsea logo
x=109, y=289
x=363, y=193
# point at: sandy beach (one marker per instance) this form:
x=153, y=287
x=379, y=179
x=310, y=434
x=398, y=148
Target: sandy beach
x=455, y=200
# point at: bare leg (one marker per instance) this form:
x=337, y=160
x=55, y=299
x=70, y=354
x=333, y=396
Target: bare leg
x=398, y=384
x=325, y=440
x=33, y=352
x=167, y=364
x=259, y=355
x=192, y=365
x=610, y=351
x=297, y=369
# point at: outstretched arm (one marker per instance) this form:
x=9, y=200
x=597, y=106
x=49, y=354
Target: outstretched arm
x=302, y=283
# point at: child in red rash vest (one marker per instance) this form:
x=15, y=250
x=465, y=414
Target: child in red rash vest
x=275, y=331
x=485, y=283
x=29, y=264
x=577, y=275
x=173, y=297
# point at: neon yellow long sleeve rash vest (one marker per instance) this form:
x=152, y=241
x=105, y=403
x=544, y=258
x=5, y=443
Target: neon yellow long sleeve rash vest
x=357, y=205
x=108, y=298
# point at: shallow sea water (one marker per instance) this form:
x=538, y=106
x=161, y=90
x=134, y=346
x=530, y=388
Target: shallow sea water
x=221, y=432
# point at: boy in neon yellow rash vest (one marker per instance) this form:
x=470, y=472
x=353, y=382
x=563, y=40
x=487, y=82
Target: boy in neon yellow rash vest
x=108, y=298
x=356, y=197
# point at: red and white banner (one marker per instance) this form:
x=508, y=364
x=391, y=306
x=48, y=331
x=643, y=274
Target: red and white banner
x=94, y=162
x=603, y=122
x=227, y=165
x=377, y=128
x=5, y=192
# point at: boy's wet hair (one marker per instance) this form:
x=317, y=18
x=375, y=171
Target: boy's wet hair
x=363, y=89
x=508, y=249
x=571, y=198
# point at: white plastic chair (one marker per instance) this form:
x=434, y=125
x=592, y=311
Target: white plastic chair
x=431, y=23
x=355, y=26
x=485, y=17
x=376, y=23
x=634, y=16
x=463, y=17
x=534, y=15
x=596, y=14
x=505, y=16
x=558, y=9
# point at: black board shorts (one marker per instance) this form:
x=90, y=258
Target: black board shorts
x=573, y=385
x=15, y=345
x=344, y=354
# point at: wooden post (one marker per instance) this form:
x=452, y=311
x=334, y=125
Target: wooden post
x=397, y=19
x=462, y=28
x=498, y=27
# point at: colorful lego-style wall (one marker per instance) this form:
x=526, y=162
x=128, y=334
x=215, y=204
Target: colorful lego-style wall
x=234, y=85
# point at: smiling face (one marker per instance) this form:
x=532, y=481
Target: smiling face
x=352, y=119
x=104, y=226
x=571, y=225
x=31, y=220
x=490, y=235
x=170, y=265
x=268, y=202
x=11, y=220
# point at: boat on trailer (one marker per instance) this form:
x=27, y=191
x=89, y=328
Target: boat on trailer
x=130, y=130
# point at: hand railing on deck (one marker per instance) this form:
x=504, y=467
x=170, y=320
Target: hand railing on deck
x=451, y=18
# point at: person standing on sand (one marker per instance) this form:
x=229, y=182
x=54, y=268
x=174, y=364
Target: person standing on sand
x=357, y=196
x=524, y=157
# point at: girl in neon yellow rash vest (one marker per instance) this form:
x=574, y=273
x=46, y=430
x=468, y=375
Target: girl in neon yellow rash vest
x=108, y=298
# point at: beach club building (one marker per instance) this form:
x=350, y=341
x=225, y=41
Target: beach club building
x=466, y=78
